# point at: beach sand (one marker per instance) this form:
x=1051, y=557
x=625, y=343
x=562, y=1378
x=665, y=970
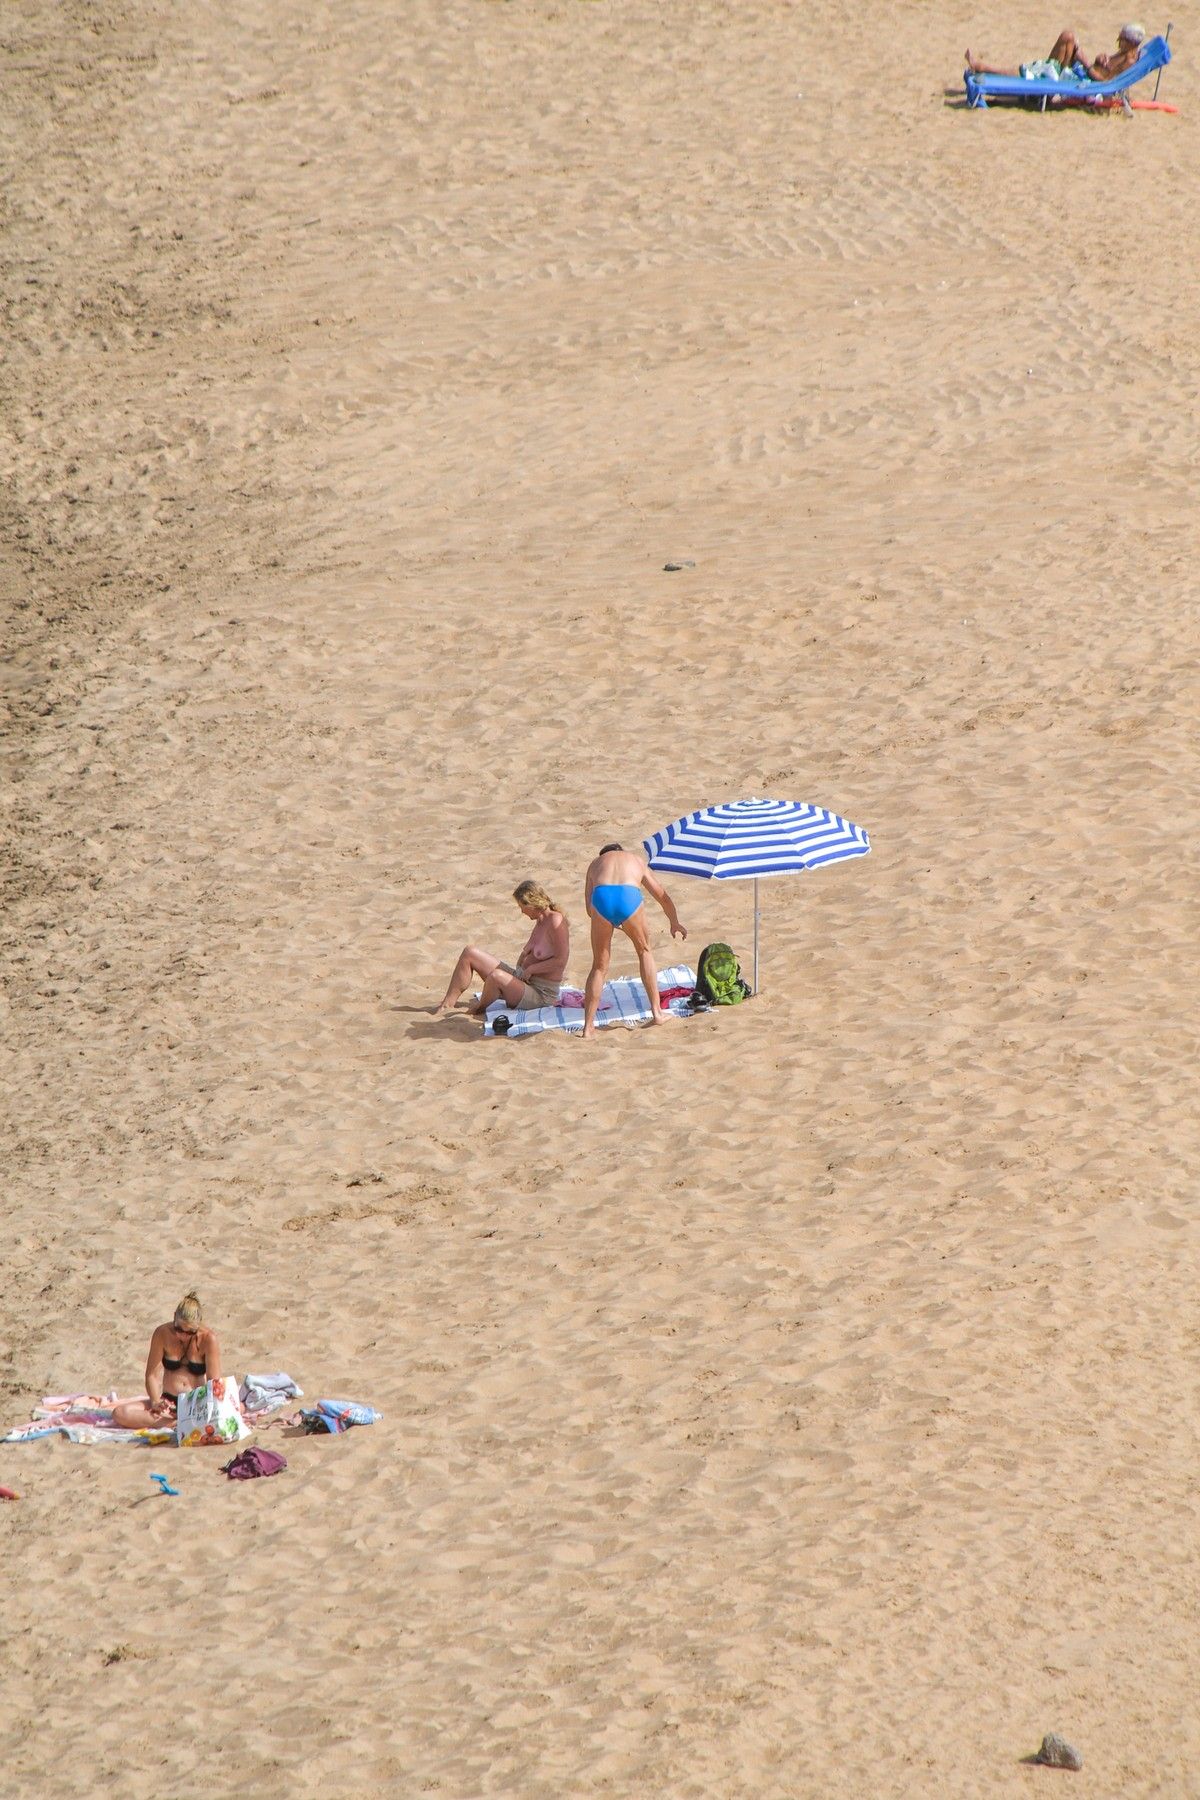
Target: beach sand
x=797, y=1401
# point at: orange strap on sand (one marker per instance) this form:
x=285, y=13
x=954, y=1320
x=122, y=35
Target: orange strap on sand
x=1138, y=105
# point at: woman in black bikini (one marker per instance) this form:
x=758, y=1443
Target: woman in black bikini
x=183, y=1355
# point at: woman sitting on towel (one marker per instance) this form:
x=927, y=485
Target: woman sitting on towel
x=534, y=979
x=183, y=1355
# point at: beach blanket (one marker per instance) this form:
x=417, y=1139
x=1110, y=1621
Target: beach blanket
x=87, y=1418
x=83, y=1419
x=622, y=1002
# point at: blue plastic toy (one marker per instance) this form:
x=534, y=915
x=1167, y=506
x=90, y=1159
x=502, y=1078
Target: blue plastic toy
x=164, y=1484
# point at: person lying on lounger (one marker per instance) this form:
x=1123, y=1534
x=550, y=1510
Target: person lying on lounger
x=1067, y=62
x=183, y=1355
x=535, y=977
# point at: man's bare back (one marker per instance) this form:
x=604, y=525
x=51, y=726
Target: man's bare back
x=616, y=868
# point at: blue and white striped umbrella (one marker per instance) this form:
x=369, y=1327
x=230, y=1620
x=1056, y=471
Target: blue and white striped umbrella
x=749, y=839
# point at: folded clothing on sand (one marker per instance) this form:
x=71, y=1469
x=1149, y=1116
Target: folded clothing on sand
x=622, y=1002
x=255, y=1461
x=338, y=1415
x=264, y=1393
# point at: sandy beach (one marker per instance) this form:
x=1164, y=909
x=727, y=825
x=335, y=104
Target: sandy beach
x=797, y=1401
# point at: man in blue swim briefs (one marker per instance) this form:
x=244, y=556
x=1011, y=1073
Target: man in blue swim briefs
x=613, y=897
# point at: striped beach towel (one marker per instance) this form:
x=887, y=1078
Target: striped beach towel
x=82, y=1419
x=622, y=1002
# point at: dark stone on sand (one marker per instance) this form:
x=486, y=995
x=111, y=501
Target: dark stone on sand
x=1056, y=1753
x=672, y=567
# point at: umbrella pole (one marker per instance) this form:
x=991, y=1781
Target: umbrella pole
x=756, y=934
x=1158, y=77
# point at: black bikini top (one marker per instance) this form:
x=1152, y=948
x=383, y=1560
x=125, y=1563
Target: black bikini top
x=177, y=1362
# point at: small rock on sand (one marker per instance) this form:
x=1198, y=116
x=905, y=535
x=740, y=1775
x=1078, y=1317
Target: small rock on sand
x=1056, y=1753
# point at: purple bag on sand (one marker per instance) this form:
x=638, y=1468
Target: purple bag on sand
x=254, y=1461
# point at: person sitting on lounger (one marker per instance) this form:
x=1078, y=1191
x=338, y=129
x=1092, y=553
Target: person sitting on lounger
x=534, y=979
x=183, y=1355
x=1067, y=62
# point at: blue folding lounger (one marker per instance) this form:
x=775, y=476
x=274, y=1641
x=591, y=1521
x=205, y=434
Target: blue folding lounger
x=1156, y=54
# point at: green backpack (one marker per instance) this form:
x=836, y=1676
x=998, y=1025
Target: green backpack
x=718, y=978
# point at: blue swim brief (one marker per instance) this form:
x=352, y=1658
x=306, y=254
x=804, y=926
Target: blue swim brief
x=616, y=901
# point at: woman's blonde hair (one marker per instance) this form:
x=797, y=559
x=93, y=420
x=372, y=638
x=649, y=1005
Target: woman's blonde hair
x=532, y=893
x=189, y=1312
